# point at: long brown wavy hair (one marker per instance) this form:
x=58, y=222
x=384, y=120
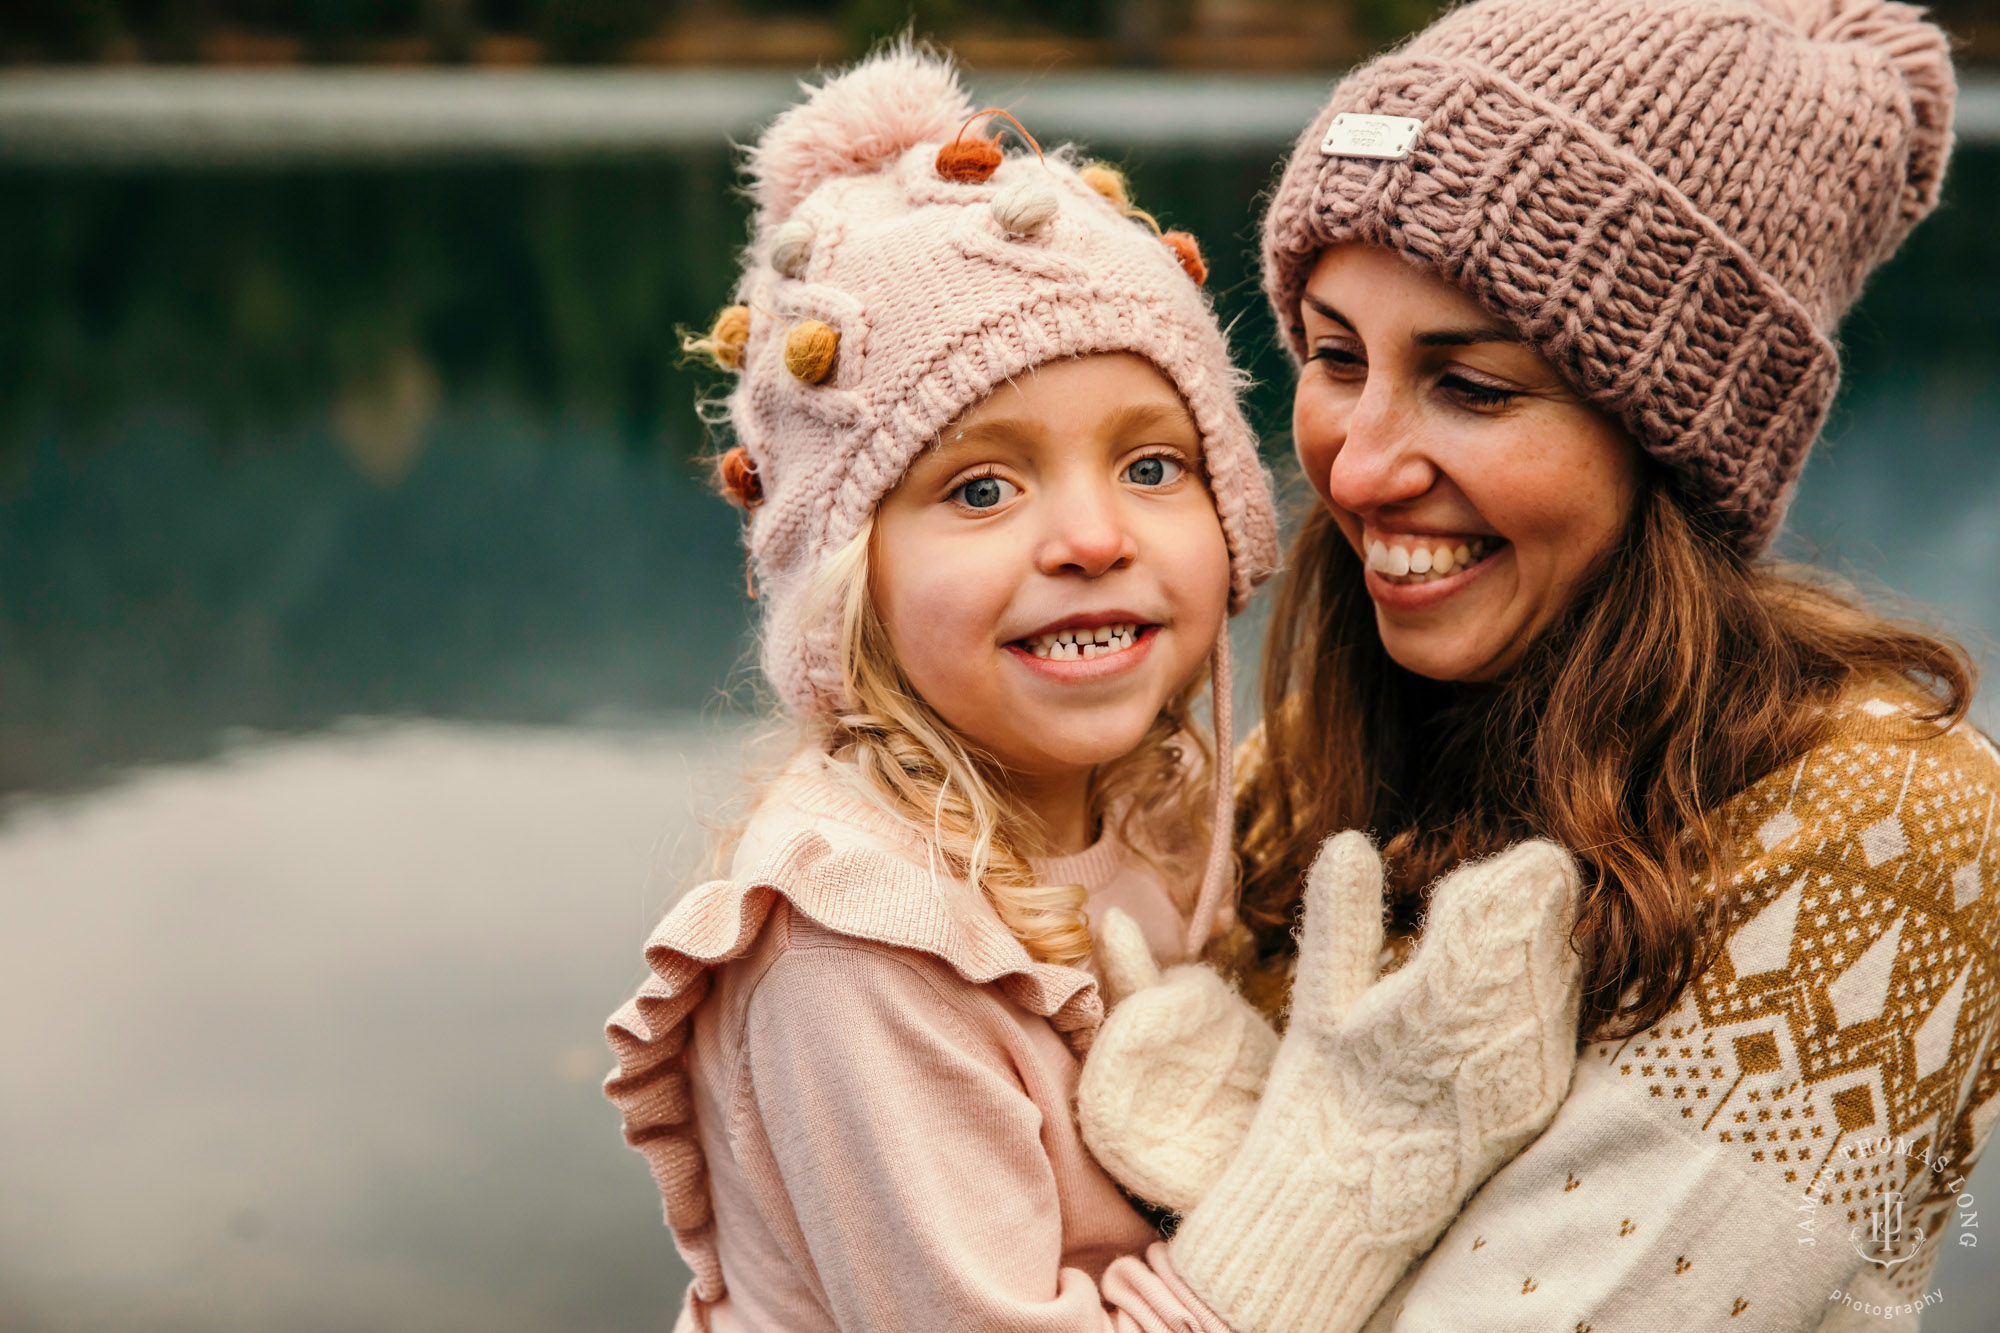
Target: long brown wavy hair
x=1680, y=674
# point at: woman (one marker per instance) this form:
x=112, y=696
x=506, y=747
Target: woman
x=1563, y=279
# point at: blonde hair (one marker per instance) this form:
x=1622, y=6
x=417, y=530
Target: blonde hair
x=895, y=750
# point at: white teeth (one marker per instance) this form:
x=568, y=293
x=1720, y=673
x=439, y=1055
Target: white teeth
x=1423, y=563
x=1082, y=645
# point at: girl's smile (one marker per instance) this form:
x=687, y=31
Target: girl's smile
x=1087, y=647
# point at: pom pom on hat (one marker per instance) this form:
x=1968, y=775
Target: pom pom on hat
x=1921, y=53
x=809, y=351
x=1188, y=250
x=969, y=160
x=791, y=247
x=1025, y=207
x=901, y=97
x=737, y=476
x=724, y=341
x=1108, y=181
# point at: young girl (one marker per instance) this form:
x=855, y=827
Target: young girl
x=1000, y=504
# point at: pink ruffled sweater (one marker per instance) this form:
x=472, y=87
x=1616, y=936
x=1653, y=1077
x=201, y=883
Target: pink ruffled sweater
x=854, y=1088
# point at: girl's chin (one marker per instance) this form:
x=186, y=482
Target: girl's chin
x=1052, y=743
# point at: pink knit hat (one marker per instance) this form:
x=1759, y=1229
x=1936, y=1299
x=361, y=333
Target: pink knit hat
x=885, y=296
x=927, y=293
x=1675, y=201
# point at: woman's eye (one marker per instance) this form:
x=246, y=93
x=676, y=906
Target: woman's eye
x=1475, y=394
x=1338, y=358
x=1153, y=470
x=984, y=492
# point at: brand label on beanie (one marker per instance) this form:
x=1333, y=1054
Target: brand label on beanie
x=1355, y=135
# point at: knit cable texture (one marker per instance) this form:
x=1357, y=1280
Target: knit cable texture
x=1391, y=1101
x=1675, y=201
x=1167, y=1100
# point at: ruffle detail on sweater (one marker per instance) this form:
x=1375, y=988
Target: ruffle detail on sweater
x=859, y=886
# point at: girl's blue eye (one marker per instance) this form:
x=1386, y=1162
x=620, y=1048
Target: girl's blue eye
x=983, y=492
x=1153, y=471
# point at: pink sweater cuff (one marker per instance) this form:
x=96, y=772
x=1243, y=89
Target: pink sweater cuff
x=1148, y=1296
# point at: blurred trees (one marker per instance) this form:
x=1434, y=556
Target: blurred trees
x=590, y=31
x=1213, y=33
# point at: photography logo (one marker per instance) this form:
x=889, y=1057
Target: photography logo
x=1882, y=1238
x=1891, y=1232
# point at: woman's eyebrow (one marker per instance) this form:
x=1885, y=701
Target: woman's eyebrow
x=1483, y=333
x=1329, y=312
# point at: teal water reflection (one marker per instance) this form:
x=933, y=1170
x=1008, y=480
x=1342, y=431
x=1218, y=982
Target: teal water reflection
x=276, y=449
x=279, y=448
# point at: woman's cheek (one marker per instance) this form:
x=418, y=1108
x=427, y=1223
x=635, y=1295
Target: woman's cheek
x=1316, y=435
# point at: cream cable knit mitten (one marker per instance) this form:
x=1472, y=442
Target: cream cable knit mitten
x=1391, y=1101
x=1174, y=1074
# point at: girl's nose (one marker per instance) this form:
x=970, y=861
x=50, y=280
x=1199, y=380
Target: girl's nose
x=1086, y=534
x=1382, y=460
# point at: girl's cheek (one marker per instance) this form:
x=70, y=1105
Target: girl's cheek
x=1199, y=569
x=955, y=595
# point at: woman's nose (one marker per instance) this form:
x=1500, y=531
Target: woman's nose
x=1381, y=461
x=1086, y=533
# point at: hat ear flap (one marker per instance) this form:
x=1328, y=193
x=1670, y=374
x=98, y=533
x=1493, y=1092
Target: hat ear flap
x=901, y=96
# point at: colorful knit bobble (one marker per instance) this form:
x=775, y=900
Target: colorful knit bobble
x=1108, y=181
x=1188, y=251
x=739, y=479
x=1025, y=207
x=809, y=350
x=724, y=341
x=969, y=161
x=791, y=247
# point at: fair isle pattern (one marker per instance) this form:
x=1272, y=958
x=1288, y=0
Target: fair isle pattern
x=1855, y=997
x=1713, y=1171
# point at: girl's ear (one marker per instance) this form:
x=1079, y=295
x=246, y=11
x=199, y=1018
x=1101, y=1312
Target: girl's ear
x=901, y=96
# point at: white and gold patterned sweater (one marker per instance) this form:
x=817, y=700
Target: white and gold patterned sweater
x=1787, y=1149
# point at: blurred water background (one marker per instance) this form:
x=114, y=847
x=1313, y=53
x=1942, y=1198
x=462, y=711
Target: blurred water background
x=370, y=649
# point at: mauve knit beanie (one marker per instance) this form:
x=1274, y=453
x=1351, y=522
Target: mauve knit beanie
x=1675, y=201
x=885, y=294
